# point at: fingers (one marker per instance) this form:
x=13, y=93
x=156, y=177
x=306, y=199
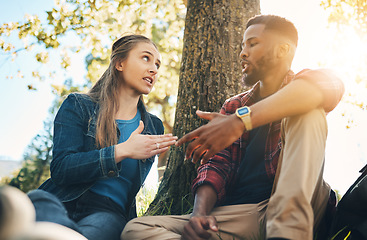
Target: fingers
x=166, y=140
x=197, y=132
x=195, y=231
x=213, y=223
x=188, y=137
x=161, y=143
x=139, y=129
x=160, y=150
x=197, y=227
x=205, y=115
x=207, y=155
x=191, y=149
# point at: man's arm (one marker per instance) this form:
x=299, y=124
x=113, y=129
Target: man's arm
x=298, y=97
x=200, y=221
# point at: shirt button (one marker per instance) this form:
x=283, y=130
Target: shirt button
x=111, y=174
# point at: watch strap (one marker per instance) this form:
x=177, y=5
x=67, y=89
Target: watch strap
x=245, y=117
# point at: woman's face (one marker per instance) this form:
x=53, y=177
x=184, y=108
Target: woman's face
x=139, y=71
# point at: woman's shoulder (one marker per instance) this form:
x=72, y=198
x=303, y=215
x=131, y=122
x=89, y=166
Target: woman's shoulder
x=78, y=103
x=82, y=99
x=76, y=96
x=155, y=118
x=157, y=122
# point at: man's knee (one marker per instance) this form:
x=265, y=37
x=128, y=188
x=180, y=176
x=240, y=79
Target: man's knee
x=315, y=116
x=133, y=227
x=310, y=123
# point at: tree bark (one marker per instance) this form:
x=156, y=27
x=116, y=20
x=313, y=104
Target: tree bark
x=210, y=73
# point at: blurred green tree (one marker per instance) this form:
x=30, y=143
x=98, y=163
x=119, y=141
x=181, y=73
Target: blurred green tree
x=76, y=26
x=35, y=167
x=92, y=26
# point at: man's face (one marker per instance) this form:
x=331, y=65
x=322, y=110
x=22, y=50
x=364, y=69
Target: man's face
x=257, y=55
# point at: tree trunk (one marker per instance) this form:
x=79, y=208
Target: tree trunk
x=210, y=73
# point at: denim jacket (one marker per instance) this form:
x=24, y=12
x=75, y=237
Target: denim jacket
x=77, y=163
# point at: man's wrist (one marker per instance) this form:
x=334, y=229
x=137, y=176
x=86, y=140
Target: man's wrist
x=244, y=114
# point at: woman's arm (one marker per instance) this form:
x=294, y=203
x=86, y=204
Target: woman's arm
x=75, y=157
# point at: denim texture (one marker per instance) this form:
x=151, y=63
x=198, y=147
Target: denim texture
x=77, y=163
x=94, y=216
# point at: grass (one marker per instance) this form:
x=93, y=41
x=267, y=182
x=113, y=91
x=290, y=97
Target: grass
x=144, y=197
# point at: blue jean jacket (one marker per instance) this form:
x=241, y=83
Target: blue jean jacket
x=77, y=163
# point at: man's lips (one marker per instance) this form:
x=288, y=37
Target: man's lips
x=245, y=66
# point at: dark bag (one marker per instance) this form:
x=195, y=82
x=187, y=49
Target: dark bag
x=350, y=221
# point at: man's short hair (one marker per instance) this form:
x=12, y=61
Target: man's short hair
x=276, y=23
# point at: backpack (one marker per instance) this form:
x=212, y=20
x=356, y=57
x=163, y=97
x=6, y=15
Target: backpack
x=350, y=219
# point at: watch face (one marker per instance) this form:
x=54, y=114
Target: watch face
x=243, y=111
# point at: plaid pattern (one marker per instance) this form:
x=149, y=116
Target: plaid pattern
x=220, y=171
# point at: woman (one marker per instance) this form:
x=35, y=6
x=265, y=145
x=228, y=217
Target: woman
x=104, y=145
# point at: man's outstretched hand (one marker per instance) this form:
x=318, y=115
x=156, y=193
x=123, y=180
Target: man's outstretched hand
x=219, y=133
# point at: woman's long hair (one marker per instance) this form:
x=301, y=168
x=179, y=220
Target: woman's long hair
x=106, y=89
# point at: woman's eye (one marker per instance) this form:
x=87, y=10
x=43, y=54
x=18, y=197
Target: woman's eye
x=157, y=65
x=253, y=44
x=146, y=58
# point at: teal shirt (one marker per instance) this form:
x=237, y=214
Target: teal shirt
x=120, y=188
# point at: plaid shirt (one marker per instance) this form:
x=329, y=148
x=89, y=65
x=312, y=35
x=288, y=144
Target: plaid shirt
x=221, y=170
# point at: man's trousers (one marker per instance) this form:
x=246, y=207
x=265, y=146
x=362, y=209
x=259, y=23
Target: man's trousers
x=294, y=210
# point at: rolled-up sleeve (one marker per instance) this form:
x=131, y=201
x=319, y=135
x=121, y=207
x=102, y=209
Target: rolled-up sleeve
x=328, y=82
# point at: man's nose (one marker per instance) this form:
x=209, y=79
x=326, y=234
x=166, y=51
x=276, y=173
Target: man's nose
x=243, y=53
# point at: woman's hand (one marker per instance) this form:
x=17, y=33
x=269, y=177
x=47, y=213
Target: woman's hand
x=140, y=146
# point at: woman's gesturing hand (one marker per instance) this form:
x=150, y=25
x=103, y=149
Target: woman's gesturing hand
x=140, y=146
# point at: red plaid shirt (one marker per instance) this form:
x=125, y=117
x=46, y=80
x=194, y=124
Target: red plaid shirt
x=220, y=171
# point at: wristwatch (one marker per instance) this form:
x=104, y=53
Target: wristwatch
x=244, y=113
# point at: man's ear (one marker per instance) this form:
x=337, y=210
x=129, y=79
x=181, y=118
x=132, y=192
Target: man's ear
x=283, y=50
x=119, y=66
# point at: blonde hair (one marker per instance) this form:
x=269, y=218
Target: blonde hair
x=105, y=90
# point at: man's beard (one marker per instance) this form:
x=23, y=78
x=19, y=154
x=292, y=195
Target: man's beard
x=258, y=71
x=249, y=80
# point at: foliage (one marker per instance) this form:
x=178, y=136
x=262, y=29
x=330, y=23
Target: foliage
x=348, y=12
x=38, y=155
x=92, y=26
x=348, y=51
x=36, y=164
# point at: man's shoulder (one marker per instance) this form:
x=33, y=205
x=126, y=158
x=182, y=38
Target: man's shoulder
x=240, y=96
x=239, y=100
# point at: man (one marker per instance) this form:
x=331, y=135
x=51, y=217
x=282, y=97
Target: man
x=265, y=179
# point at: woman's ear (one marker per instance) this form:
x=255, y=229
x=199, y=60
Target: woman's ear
x=119, y=66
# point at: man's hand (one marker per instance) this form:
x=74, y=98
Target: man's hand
x=219, y=133
x=198, y=226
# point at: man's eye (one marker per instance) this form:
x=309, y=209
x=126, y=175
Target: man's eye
x=253, y=44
